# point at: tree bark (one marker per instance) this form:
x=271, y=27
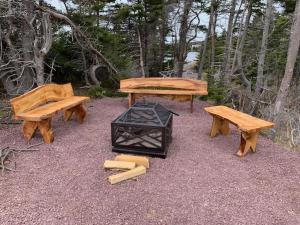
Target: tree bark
x=141, y=54
x=182, y=43
x=27, y=79
x=212, y=39
x=40, y=53
x=263, y=49
x=208, y=34
x=239, y=50
x=293, y=49
x=225, y=63
x=162, y=34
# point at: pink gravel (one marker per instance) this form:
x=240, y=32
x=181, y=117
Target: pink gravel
x=200, y=182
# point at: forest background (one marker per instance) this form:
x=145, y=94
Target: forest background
x=247, y=50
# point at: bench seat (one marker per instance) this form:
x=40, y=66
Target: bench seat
x=243, y=121
x=249, y=126
x=48, y=110
x=165, y=92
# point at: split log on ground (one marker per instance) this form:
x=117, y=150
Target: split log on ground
x=139, y=160
x=111, y=164
x=127, y=175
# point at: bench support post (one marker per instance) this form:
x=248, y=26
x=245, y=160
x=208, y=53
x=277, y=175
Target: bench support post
x=192, y=101
x=29, y=128
x=79, y=111
x=219, y=126
x=248, y=141
x=46, y=130
x=131, y=99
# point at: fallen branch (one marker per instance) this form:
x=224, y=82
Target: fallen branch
x=7, y=151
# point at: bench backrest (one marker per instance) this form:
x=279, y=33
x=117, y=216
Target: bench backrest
x=40, y=96
x=173, y=83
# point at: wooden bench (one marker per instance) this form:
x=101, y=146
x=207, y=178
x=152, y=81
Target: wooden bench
x=175, y=88
x=248, y=125
x=37, y=107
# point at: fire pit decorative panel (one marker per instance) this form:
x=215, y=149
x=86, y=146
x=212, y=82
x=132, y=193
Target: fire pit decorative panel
x=145, y=128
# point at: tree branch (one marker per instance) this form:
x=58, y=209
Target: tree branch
x=77, y=30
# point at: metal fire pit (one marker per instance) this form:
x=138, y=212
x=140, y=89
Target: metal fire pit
x=145, y=128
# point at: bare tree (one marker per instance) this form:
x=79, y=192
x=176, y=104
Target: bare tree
x=263, y=49
x=141, y=53
x=41, y=52
x=182, y=43
x=214, y=10
x=210, y=32
x=293, y=49
x=26, y=38
x=237, y=64
x=225, y=63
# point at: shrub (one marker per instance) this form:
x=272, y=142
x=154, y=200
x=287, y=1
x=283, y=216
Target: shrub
x=98, y=92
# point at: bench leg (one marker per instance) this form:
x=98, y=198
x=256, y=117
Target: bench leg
x=192, y=105
x=68, y=113
x=131, y=99
x=46, y=130
x=248, y=141
x=29, y=128
x=219, y=126
x=79, y=111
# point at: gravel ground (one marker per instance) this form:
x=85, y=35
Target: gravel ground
x=200, y=182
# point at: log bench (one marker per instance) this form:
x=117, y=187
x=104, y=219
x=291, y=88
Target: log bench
x=248, y=125
x=37, y=107
x=175, y=88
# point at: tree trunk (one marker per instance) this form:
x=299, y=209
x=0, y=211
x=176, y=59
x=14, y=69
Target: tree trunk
x=225, y=64
x=40, y=53
x=182, y=44
x=263, y=49
x=84, y=67
x=92, y=74
x=142, y=68
x=208, y=33
x=239, y=50
x=162, y=35
x=294, y=44
x=27, y=80
x=212, y=39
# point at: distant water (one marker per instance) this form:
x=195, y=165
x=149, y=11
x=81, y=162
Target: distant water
x=191, y=56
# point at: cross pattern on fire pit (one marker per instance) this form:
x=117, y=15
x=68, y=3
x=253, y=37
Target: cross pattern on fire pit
x=145, y=128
